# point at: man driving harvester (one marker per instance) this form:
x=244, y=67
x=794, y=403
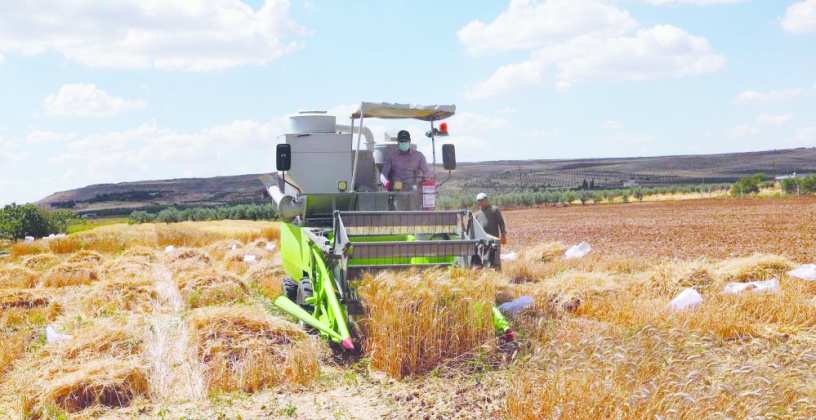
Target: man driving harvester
x=402, y=165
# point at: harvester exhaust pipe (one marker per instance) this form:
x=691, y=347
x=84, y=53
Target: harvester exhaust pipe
x=288, y=207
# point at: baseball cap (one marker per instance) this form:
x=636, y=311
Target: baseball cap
x=403, y=136
x=481, y=196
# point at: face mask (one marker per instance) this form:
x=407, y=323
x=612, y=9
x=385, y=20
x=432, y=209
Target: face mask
x=404, y=146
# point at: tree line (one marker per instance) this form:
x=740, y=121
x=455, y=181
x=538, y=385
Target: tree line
x=19, y=221
x=264, y=211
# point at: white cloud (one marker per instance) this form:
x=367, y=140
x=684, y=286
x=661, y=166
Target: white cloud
x=585, y=41
x=612, y=125
x=10, y=155
x=742, y=131
x=509, y=110
x=150, y=151
x=540, y=133
x=512, y=78
x=663, y=51
x=87, y=100
x=800, y=17
x=45, y=137
x=471, y=122
x=695, y=2
x=176, y=35
x=804, y=137
x=750, y=96
x=768, y=119
x=527, y=24
x=1, y=59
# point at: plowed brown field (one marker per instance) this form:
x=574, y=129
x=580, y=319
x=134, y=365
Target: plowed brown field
x=716, y=228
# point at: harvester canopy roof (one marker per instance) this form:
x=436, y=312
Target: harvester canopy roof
x=394, y=111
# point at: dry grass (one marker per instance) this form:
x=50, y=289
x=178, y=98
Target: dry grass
x=582, y=370
x=128, y=266
x=12, y=345
x=14, y=277
x=234, y=260
x=210, y=287
x=218, y=250
x=136, y=294
x=267, y=277
x=181, y=237
x=546, y=260
x=20, y=249
x=245, y=348
x=418, y=320
x=70, y=274
x=86, y=257
x=40, y=262
x=187, y=260
x=100, y=365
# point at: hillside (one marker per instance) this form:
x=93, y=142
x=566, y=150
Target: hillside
x=491, y=176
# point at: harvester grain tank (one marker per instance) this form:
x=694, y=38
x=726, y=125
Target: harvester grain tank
x=338, y=222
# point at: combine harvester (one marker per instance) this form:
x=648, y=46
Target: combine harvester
x=338, y=222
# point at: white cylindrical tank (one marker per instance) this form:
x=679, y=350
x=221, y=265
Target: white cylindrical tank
x=312, y=123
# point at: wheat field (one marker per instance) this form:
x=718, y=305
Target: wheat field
x=191, y=333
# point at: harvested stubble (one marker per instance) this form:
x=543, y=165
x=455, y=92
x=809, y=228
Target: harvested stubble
x=102, y=364
x=12, y=345
x=137, y=294
x=546, y=260
x=218, y=250
x=245, y=348
x=266, y=276
x=128, y=267
x=15, y=277
x=40, y=262
x=418, y=320
x=187, y=260
x=142, y=251
x=234, y=260
x=70, y=274
x=210, y=287
x=86, y=257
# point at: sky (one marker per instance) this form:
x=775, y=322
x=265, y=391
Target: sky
x=106, y=92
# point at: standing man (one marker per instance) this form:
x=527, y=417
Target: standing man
x=402, y=165
x=490, y=218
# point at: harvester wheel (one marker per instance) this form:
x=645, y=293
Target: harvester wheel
x=305, y=291
x=290, y=289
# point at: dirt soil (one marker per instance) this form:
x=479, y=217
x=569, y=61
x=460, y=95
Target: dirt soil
x=716, y=228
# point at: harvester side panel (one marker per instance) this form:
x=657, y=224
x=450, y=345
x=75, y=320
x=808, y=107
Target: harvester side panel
x=295, y=251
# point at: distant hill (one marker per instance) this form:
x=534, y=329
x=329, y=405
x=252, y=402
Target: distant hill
x=125, y=197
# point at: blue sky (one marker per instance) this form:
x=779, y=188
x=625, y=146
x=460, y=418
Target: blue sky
x=148, y=89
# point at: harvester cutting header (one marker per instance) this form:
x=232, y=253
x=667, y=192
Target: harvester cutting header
x=343, y=217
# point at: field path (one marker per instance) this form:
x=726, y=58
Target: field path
x=176, y=375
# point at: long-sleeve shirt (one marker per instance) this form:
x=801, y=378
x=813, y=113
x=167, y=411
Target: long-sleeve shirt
x=492, y=221
x=402, y=166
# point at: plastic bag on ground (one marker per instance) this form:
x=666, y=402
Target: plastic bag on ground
x=509, y=256
x=769, y=286
x=805, y=272
x=233, y=247
x=250, y=258
x=687, y=299
x=515, y=306
x=29, y=239
x=578, y=251
x=52, y=336
x=170, y=248
x=270, y=246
